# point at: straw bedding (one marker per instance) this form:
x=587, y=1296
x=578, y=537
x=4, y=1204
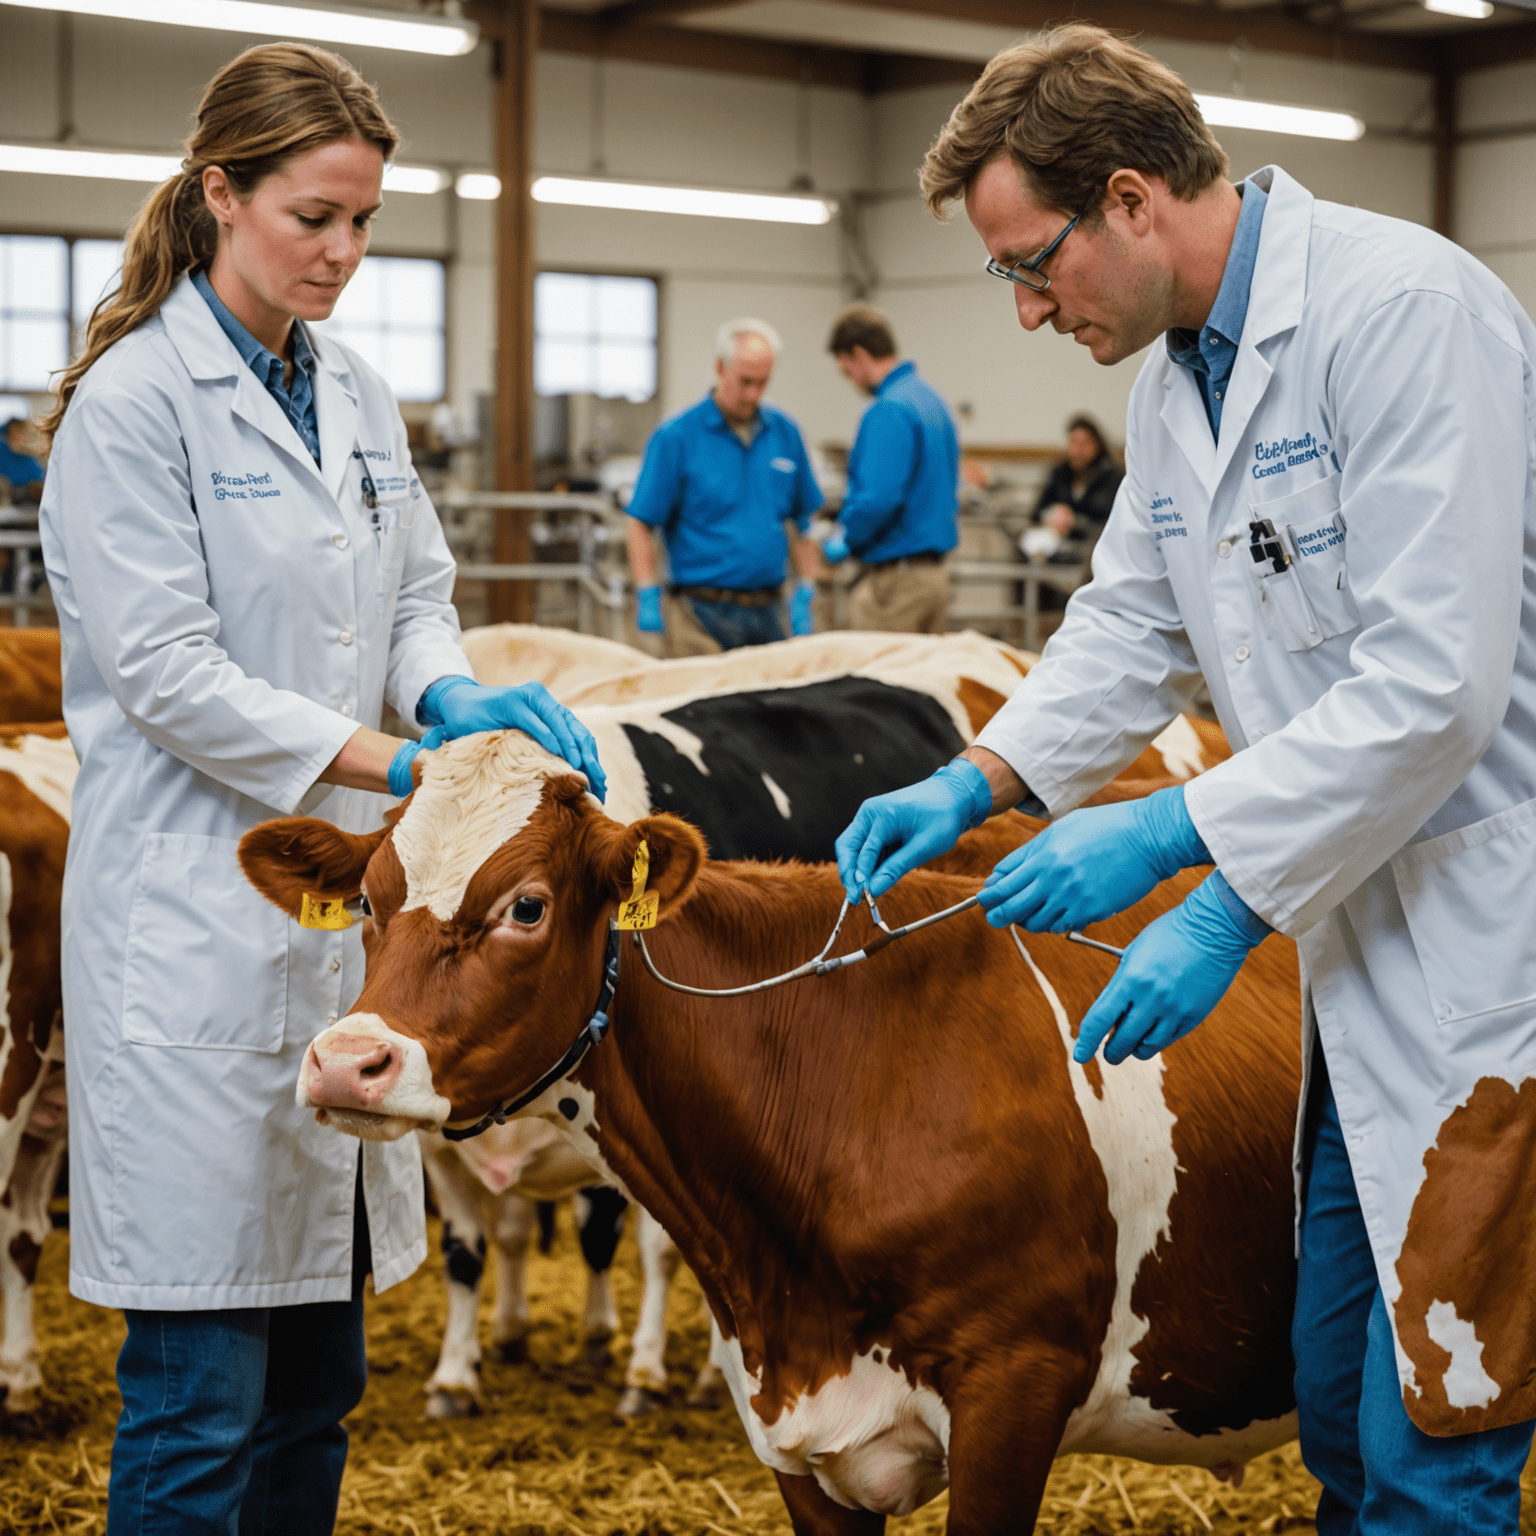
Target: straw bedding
x=547, y=1457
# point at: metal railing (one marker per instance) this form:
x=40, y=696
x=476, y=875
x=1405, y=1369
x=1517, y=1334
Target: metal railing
x=22, y=540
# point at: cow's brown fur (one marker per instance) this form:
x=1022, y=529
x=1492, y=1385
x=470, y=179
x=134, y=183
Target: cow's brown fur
x=891, y=1155
x=31, y=675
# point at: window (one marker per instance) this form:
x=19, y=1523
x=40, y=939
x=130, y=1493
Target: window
x=594, y=335
x=48, y=287
x=393, y=313
x=34, y=310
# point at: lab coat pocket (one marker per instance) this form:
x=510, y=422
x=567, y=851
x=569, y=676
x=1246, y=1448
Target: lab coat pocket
x=1283, y=606
x=1309, y=601
x=1317, y=557
x=207, y=955
x=1470, y=902
x=393, y=535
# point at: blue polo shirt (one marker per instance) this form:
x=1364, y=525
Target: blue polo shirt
x=17, y=467
x=1210, y=354
x=903, y=473
x=721, y=505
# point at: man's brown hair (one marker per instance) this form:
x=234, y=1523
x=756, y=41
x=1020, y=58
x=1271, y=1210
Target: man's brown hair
x=1070, y=109
x=862, y=325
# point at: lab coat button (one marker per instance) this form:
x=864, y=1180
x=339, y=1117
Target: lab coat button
x=340, y=540
x=345, y=637
x=1242, y=653
x=1224, y=548
x=349, y=710
x=336, y=963
x=330, y=1018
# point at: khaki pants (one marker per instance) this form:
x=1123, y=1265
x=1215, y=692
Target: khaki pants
x=908, y=599
x=685, y=636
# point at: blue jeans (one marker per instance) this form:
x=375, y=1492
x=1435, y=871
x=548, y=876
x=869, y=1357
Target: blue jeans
x=1379, y=1471
x=231, y=1421
x=734, y=624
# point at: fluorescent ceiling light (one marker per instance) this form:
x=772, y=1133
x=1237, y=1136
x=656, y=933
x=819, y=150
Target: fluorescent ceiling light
x=481, y=186
x=43, y=161
x=700, y=201
x=414, y=178
x=1474, y=10
x=1268, y=117
x=321, y=23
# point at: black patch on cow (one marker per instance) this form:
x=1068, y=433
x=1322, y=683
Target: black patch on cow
x=465, y=1265
x=828, y=746
x=568, y=1108
x=604, y=1226
x=545, y=1211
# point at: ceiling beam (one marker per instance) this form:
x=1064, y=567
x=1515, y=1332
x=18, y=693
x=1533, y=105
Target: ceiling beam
x=1487, y=47
x=631, y=12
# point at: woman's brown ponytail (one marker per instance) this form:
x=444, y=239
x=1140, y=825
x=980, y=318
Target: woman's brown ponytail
x=260, y=111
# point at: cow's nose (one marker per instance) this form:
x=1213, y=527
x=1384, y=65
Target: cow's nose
x=351, y=1071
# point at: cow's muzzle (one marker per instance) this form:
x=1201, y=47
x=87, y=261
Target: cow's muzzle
x=364, y=1078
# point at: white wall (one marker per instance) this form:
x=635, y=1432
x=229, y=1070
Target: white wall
x=1493, y=214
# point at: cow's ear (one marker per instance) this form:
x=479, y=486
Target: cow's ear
x=285, y=859
x=676, y=850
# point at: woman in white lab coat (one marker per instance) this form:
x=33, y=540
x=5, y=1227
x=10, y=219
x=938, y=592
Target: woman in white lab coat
x=246, y=569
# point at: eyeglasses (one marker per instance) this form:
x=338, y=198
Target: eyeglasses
x=1026, y=273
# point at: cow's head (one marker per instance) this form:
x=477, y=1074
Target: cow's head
x=489, y=897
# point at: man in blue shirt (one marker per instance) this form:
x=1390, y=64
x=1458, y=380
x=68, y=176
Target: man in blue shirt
x=20, y=468
x=721, y=480
x=898, y=515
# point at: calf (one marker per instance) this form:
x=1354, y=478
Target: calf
x=37, y=775
x=937, y=1251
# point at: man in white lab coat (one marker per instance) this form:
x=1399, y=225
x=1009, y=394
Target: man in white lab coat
x=1329, y=512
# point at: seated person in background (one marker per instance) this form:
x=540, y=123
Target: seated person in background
x=1077, y=498
x=20, y=468
x=721, y=480
x=898, y=514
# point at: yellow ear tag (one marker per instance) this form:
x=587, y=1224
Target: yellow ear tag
x=315, y=913
x=643, y=905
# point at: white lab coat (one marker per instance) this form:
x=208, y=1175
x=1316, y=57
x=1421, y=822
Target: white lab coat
x=1381, y=697
x=229, y=616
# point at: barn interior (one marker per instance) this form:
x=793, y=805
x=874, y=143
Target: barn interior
x=587, y=190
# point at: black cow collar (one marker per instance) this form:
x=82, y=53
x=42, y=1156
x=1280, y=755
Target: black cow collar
x=592, y=1033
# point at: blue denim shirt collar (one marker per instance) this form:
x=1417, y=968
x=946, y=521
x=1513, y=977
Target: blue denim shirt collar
x=1210, y=354
x=298, y=403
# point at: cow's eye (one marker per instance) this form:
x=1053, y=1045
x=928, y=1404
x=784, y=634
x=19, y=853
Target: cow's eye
x=527, y=910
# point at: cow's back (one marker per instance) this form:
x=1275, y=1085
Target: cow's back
x=31, y=675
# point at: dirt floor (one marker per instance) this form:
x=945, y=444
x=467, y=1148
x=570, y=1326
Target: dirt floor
x=547, y=1455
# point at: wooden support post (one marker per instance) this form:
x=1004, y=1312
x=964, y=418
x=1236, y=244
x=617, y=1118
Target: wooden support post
x=517, y=60
x=1446, y=82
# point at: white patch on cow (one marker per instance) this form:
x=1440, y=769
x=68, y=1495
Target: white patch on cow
x=870, y=1438
x=45, y=766
x=780, y=799
x=628, y=793
x=475, y=794
x=1183, y=755
x=1131, y=1129
x=580, y=1130
x=1467, y=1384
x=411, y=1102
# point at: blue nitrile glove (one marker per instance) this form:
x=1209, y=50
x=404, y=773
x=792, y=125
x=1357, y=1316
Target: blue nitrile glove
x=648, y=610
x=836, y=548
x=800, y=620
x=915, y=824
x=1093, y=864
x=400, y=783
x=462, y=706
x=1174, y=973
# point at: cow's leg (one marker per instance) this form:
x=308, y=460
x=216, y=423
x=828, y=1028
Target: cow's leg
x=512, y=1227
x=812, y=1513
x=24, y=1226
x=453, y=1389
x=645, y=1382
x=1006, y=1421
x=708, y=1389
x=600, y=1224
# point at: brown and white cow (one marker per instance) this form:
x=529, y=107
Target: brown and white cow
x=31, y=676
x=37, y=775
x=938, y=1252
